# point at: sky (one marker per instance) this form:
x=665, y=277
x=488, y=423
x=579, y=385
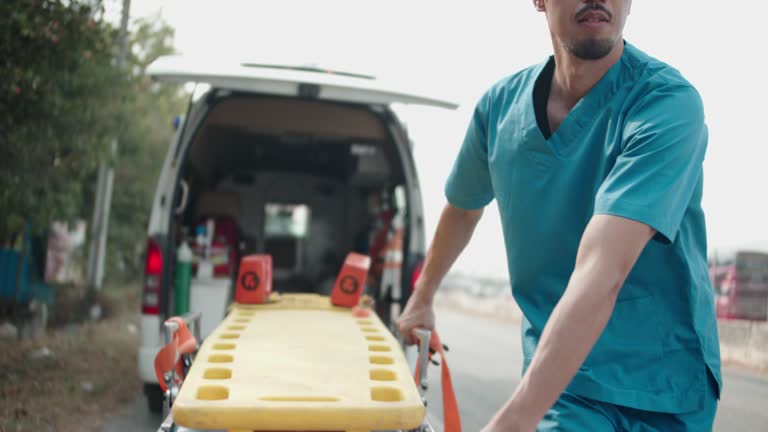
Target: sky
x=456, y=50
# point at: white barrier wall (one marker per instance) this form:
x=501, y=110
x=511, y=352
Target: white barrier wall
x=744, y=342
x=741, y=342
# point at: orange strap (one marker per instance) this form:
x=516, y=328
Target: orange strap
x=451, y=416
x=165, y=361
x=187, y=342
x=170, y=356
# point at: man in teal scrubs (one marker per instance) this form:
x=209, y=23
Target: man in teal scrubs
x=595, y=160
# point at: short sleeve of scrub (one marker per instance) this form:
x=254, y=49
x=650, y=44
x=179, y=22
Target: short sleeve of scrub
x=469, y=183
x=660, y=164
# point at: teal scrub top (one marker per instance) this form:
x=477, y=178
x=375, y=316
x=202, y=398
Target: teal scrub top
x=632, y=147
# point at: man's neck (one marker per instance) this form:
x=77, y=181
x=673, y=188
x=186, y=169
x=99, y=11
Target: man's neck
x=574, y=77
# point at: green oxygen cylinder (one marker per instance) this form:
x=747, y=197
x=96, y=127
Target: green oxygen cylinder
x=183, y=279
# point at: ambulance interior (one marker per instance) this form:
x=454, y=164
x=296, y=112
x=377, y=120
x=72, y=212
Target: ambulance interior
x=304, y=181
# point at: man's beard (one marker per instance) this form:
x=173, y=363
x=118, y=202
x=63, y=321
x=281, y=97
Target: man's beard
x=590, y=49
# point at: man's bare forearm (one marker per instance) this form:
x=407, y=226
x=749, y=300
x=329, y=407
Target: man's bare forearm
x=572, y=330
x=608, y=251
x=454, y=230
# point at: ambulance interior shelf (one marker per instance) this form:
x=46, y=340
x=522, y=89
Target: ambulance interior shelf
x=220, y=250
x=210, y=226
x=283, y=227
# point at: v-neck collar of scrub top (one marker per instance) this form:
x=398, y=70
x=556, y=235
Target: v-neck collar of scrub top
x=563, y=141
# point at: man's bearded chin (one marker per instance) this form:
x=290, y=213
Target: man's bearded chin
x=590, y=49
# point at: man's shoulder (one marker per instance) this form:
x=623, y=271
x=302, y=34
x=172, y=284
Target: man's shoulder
x=650, y=72
x=511, y=89
x=656, y=86
x=522, y=78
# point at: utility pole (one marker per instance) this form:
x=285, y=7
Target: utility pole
x=100, y=219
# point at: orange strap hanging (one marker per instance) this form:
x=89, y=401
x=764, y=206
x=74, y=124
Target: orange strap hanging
x=187, y=342
x=165, y=360
x=170, y=356
x=451, y=416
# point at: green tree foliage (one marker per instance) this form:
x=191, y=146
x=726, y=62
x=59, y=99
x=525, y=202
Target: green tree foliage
x=148, y=114
x=58, y=87
x=62, y=100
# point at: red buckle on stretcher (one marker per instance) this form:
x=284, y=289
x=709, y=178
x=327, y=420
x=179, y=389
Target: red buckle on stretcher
x=350, y=282
x=254, y=283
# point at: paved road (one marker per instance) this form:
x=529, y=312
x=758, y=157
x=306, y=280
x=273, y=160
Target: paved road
x=486, y=360
x=135, y=418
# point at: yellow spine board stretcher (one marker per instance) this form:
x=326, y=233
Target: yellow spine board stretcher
x=298, y=363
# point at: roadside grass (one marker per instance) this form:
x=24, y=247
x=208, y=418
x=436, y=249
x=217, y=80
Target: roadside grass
x=90, y=370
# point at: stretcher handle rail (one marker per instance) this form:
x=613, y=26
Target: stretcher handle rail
x=194, y=318
x=429, y=343
x=425, y=427
x=168, y=425
x=424, y=336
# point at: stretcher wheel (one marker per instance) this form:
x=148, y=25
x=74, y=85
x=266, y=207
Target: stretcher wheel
x=154, y=395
